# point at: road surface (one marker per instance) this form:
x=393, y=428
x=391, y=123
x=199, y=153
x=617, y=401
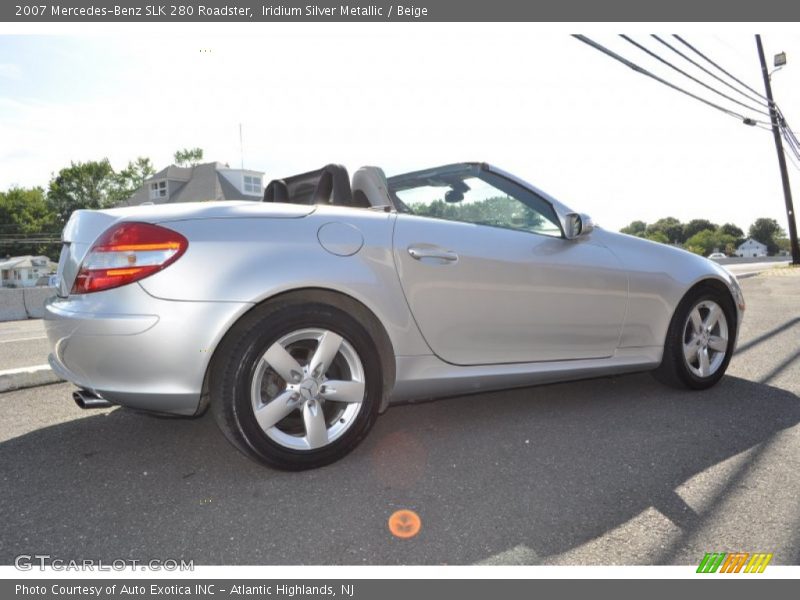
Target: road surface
x=617, y=470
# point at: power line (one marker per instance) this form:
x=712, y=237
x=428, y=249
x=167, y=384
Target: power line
x=785, y=126
x=792, y=145
x=692, y=77
x=785, y=129
x=789, y=129
x=702, y=68
x=786, y=132
x=704, y=57
x=31, y=234
x=643, y=71
x=47, y=241
x=792, y=160
x=793, y=137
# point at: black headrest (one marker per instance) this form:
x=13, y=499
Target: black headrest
x=276, y=191
x=333, y=187
x=360, y=199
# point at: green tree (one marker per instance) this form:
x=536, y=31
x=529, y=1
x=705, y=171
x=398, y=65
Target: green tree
x=24, y=213
x=88, y=185
x=94, y=185
x=696, y=226
x=130, y=179
x=766, y=231
x=784, y=244
x=733, y=231
x=188, y=157
x=670, y=227
x=500, y=211
x=707, y=241
x=656, y=236
x=635, y=228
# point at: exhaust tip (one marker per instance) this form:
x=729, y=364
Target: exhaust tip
x=86, y=400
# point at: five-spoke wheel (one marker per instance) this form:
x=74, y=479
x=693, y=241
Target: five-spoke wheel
x=307, y=389
x=296, y=386
x=700, y=339
x=705, y=338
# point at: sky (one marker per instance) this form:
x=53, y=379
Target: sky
x=528, y=98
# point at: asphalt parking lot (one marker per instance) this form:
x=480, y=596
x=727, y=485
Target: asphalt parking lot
x=610, y=471
x=23, y=344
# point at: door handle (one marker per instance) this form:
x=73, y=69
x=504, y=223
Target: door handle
x=419, y=253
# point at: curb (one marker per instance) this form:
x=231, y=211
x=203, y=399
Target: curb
x=26, y=377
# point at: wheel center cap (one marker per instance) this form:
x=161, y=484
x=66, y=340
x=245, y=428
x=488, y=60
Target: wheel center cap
x=309, y=389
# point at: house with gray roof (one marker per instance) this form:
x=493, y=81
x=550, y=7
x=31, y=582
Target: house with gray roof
x=200, y=183
x=24, y=271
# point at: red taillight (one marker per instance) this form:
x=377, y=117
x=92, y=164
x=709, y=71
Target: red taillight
x=126, y=253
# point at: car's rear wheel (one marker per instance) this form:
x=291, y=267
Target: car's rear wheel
x=700, y=340
x=297, y=386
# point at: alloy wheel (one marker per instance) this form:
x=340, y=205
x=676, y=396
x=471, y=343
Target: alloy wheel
x=307, y=389
x=705, y=338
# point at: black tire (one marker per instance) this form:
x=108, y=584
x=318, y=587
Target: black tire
x=235, y=364
x=674, y=370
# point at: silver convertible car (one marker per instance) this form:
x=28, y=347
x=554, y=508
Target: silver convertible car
x=297, y=320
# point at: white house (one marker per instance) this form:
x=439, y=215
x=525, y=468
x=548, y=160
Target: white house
x=23, y=271
x=750, y=248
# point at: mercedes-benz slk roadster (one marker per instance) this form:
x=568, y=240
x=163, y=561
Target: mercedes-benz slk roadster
x=298, y=319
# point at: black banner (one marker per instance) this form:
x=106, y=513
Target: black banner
x=412, y=10
x=383, y=589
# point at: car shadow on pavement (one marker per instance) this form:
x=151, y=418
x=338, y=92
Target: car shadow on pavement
x=546, y=469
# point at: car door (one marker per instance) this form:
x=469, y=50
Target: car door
x=488, y=292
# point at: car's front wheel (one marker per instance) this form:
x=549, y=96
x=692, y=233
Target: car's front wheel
x=700, y=340
x=296, y=386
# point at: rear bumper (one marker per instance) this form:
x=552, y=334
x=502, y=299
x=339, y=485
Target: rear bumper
x=136, y=350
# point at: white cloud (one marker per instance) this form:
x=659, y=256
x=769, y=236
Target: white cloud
x=10, y=71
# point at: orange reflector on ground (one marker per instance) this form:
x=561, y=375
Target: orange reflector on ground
x=405, y=524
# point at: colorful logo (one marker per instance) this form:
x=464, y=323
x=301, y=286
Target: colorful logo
x=734, y=562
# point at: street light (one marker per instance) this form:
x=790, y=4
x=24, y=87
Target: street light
x=778, y=61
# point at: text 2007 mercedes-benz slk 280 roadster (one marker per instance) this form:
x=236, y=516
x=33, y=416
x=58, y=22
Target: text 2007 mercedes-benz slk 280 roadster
x=298, y=319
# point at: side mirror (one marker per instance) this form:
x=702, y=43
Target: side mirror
x=577, y=225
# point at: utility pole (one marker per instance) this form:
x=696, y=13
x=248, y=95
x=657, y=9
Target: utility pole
x=776, y=132
x=241, y=145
